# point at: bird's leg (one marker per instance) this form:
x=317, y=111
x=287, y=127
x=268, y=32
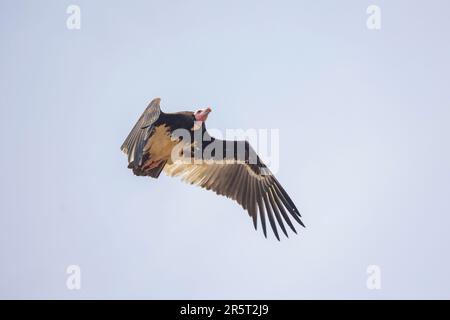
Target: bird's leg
x=151, y=164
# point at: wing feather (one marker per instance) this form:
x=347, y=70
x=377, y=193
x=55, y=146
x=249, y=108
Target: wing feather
x=283, y=212
x=276, y=212
x=270, y=215
x=262, y=213
x=251, y=185
x=133, y=145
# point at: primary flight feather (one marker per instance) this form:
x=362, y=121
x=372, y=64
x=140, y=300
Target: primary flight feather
x=169, y=142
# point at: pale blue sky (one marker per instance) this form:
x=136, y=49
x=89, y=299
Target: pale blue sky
x=364, y=128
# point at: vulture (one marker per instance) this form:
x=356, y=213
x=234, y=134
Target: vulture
x=179, y=144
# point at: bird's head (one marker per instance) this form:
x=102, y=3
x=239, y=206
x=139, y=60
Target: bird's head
x=202, y=114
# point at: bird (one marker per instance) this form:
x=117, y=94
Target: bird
x=169, y=143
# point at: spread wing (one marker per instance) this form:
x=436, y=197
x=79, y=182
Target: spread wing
x=133, y=145
x=243, y=177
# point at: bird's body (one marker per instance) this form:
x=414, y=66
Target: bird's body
x=179, y=144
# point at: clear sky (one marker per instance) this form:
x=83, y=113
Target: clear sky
x=363, y=117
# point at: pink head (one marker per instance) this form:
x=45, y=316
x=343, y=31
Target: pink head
x=202, y=114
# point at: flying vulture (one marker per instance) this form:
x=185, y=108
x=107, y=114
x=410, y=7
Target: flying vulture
x=170, y=142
